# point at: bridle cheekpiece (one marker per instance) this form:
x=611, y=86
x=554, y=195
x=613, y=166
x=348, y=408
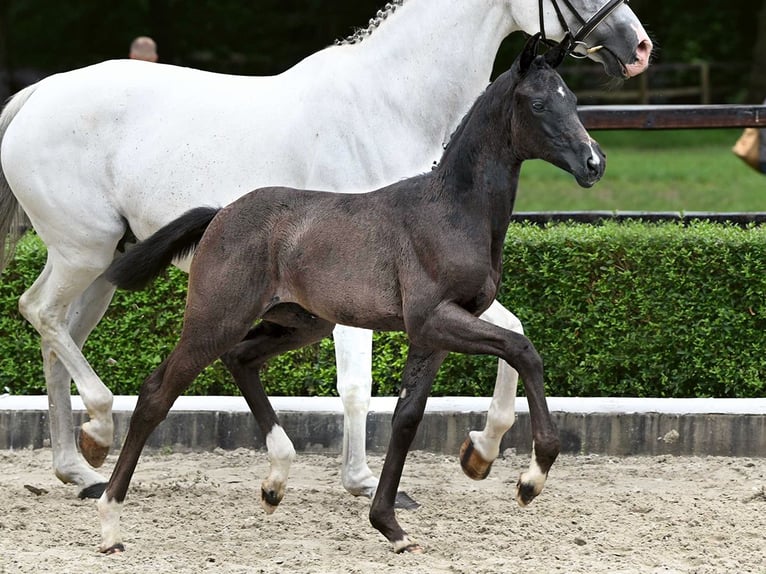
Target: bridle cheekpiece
x=579, y=48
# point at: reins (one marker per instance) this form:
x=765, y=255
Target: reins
x=587, y=26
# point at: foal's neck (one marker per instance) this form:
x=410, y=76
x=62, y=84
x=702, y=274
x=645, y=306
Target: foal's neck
x=479, y=169
x=431, y=59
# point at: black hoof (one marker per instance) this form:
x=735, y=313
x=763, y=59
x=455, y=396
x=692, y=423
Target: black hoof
x=270, y=497
x=411, y=549
x=526, y=493
x=405, y=502
x=116, y=549
x=92, y=491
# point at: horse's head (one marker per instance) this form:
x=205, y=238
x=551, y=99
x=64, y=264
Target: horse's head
x=545, y=122
x=619, y=42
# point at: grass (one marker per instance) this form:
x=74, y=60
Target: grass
x=681, y=170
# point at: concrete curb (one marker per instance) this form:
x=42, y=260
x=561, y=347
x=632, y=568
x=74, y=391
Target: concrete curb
x=717, y=427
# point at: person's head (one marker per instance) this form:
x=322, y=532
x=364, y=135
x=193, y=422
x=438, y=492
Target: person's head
x=143, y=48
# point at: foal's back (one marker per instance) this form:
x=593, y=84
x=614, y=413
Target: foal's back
x=348, y=258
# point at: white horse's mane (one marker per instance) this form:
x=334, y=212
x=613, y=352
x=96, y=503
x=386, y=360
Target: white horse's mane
x=362, y=33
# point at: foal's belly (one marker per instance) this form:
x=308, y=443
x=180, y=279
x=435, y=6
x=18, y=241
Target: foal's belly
x=360, y=303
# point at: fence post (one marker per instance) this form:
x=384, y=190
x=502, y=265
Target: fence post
x=705, y=81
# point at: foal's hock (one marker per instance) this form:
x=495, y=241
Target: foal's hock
x=423, y=256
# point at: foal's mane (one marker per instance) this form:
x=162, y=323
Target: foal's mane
x=487, y=101
x=505, y=83
x=362, y=33
x=495, y=99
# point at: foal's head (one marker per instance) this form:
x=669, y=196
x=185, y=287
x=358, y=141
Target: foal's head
x=545, y=121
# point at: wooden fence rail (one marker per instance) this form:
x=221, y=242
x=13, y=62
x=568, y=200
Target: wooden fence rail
x=665, y=117
x=659, y=117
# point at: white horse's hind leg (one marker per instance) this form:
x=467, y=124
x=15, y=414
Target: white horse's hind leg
x=68, y=465
x=481, y=448
x=49, y=305
x=353, y=357
x=84, y=314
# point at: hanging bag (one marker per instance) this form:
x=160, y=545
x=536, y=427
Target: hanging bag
x=747, y=148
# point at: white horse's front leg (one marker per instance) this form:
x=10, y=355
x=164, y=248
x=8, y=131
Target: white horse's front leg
x=353, y=357
x=481, y=448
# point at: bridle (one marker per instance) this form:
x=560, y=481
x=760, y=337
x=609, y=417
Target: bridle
x=579, y=49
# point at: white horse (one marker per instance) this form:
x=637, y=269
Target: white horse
x=127, y=146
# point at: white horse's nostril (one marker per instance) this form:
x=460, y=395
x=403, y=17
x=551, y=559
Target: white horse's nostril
x=644, y=50
x=643, y=54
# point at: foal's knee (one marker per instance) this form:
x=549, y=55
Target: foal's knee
x=522, y=354
x=502, y=317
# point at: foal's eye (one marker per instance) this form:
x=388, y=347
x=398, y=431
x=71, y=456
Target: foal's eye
x=538, y=105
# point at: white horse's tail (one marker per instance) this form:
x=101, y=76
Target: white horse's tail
x=12, y=216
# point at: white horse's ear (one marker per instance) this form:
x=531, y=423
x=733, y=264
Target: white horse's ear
x=529, y=53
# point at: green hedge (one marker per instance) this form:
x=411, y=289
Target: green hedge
x=615, y=310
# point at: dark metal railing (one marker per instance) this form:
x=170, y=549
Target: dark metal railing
x=668, y=117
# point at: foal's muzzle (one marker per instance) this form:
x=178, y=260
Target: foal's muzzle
x=594, y=165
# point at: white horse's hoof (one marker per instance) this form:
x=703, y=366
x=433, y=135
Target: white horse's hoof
x=473, y=464
x=271, y=498
x=91, y=450
x=113, y=549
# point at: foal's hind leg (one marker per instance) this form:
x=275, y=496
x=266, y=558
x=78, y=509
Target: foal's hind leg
x=157, y=395
x=481, y=448
x=285, y=328
x=209, y=331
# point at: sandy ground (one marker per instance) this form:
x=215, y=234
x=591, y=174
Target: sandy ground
x=200, y=512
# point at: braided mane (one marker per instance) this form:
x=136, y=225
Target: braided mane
x=362, y=33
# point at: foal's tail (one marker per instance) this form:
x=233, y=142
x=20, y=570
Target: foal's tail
x=12, y=216
x=144, y=261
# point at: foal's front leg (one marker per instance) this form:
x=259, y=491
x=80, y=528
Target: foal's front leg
x=417, y=379
x=453, y=328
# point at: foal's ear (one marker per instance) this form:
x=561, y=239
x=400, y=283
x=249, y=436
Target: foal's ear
x=556, y=55
x=529, y=53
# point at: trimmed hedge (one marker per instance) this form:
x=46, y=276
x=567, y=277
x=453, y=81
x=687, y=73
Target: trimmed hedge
x=625, y=309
